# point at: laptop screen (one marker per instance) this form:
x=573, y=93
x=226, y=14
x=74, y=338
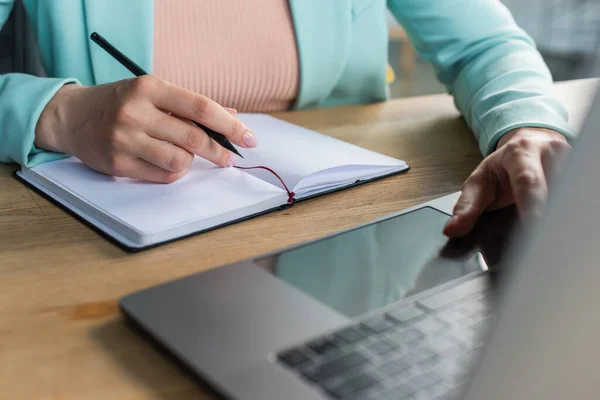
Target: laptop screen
x=370, y=267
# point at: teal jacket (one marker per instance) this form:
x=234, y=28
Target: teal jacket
x=491, y=67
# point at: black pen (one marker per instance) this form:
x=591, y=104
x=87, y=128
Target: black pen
x=138, y=71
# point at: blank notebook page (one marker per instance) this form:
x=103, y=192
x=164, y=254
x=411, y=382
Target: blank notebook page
x=206, y=191
x=295, y=152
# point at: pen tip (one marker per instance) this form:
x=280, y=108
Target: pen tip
x=233, y=149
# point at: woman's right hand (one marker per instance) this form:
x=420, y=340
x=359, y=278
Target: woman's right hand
x=138, y=128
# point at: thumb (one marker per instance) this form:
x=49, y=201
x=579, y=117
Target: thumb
x=477, y=195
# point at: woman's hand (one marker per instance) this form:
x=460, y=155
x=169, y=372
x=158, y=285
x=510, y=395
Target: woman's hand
x=517, y=172
x=138, y=128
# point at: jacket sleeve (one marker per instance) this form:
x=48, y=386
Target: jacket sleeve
x=492, y=68
x=22, y=99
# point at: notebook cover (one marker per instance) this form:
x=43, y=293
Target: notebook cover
x=135, y=249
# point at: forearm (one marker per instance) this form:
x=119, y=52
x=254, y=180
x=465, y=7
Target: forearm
x=505, y=87
x=50, y=131
x=498, y=79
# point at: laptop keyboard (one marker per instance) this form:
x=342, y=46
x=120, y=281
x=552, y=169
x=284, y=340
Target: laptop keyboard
x=422, y=350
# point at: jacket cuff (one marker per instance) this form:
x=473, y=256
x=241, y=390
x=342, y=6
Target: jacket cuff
x=534, y=113
x=25, y=97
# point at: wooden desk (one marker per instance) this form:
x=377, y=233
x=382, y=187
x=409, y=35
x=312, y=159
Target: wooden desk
x=61, y=336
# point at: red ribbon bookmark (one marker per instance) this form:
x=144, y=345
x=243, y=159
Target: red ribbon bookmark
x=289, y=192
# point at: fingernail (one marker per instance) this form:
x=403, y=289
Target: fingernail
x=249, y=139
x=231, y=111
x=231, y=161
x=451, y=222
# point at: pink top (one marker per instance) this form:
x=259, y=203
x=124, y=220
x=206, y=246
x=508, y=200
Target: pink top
x=240, y=53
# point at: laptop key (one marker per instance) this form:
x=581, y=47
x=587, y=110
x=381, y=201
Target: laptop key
x=322, y=346
x=293, y=358
x=470, y=338
x=453, y=370
x=372, y=393
x=353, y=385
x=429, y=326
x=421, y=356
x=378, y=324
x=477, y=309
x=335, y=366
x=406, y=314
x=408, y=336
x=399, y=371
x=444, y=346
x=338, y=341
x=351, y=335
x=436, y=391
x=454, y=317
x=426, y=380
x=452, y=394
x=393, y=367
x=382, y=347
x=398, y=393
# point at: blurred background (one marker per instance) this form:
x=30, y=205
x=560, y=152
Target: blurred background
x=567, y=33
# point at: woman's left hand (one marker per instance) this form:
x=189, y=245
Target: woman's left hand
x=517, y=172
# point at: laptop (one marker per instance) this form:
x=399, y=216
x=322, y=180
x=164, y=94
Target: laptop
x=393, y=310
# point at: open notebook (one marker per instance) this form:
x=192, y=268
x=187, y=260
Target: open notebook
x=140, y=214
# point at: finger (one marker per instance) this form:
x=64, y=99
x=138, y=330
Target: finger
x=203, y=110
x=161, y=153
x=231, y=111
x=183, y=134
x=527, y=181
x=477, y=195
x=136, y=168
x=554, y=158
